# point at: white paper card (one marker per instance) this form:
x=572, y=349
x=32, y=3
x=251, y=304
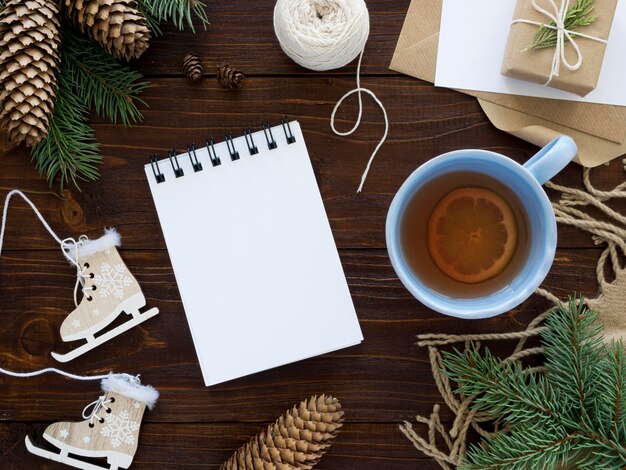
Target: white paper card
x=254, y=258
x=473, y=40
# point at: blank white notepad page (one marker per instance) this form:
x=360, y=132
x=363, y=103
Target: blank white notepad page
x=254, y=257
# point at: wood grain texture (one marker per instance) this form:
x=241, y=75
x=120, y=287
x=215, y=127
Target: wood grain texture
x=425, y=122
x=380, y=383
x=242, y=34
x=200, y=446
x=385, y=379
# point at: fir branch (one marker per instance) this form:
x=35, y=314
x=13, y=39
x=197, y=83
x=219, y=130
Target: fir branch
x=178, y=12
x=576, y=330
x=577, y=17
x=111, y=88
x=573, y=416
x=70, y=150
x=503, y=389
x=538, y=445
x=612, y=386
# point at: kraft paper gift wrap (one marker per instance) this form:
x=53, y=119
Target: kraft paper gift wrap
x=599, y=130
x=535, y=65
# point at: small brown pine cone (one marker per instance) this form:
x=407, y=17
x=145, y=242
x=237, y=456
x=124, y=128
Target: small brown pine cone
x=192, y=66
x=230, y=77
x=29, y=59
x=117, y=25
x=297, y=440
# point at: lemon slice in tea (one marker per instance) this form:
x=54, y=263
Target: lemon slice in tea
x=472, y=234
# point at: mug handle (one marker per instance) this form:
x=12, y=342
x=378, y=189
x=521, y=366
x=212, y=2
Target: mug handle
x=551, y=159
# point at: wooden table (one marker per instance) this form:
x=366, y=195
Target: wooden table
x=382, y=382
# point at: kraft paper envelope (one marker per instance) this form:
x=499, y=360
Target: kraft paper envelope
x=599, y=130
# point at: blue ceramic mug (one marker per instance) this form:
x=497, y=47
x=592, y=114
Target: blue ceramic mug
x=526, y=183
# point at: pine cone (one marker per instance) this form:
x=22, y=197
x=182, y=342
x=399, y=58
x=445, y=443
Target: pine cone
x=298, y=439
x=115, y=24
x=29, y=59
x=229, y=76
x=192, y=66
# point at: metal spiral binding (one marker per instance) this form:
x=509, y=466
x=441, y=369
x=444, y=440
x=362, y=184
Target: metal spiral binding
x=215, y=159
x=154, y=163
x=287, y=128
x=210, y=146
x=250, y=141
x=191, y=151
x=267, y=130
x=178, y=171
x=234, y=155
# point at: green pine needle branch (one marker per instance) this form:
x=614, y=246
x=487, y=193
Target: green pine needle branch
x=70, y=150
x=179, y=12
x=578, y=16
x=104, y=84
x=89, y=78
x=573, y=416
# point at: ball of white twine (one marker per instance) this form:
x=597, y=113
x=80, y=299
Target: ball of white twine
x=322, y=34
x=325, y=35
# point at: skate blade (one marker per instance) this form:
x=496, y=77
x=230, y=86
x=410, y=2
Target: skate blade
x=100, y=340
x=56, y=457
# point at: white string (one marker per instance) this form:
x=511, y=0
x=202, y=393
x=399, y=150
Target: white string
x=360, y=90
x=326, y=35
x=558, y=17
x=52, y=370
x=17, y=192
x=63, y=243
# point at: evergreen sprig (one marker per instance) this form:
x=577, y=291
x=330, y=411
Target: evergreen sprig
x=70, y=150
x=104, y=84
x=578, y=16
x=179, y=12
x=573, y=415
x=89, y=78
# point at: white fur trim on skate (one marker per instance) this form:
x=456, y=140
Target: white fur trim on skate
x=87, y=248
x=126, y=385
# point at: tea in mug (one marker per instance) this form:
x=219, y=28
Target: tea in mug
x=465, y=235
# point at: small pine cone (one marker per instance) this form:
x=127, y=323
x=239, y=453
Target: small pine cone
x=298, y=439
x=117, y=25
x=29, y=59
x=192, y=66
x=229, y=76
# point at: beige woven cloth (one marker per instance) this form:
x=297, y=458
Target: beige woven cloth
x=588, y=210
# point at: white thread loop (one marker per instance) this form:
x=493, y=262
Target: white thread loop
x=65, y=248
x=326, y=35
x=97, y=406
x=360, y=90
x=558, y=18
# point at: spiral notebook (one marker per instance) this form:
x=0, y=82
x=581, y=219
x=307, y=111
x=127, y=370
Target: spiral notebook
x=253, y=254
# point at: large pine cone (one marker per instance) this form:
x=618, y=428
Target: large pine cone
x=29, y=58
x=298, y=439
x=116, y=25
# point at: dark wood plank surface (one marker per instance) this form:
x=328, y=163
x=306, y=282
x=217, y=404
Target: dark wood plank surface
x=382, y=382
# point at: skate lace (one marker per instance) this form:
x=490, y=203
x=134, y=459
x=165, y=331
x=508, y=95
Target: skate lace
x=97, y=405
x=82, y=270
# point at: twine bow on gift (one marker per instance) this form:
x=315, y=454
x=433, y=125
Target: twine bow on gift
x=559, y=18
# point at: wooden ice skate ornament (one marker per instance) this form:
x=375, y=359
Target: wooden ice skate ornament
x=108, y=288
x=109, y=430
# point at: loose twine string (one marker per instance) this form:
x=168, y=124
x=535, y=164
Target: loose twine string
x=449, y=447
x=326, y=35
x=65, y=244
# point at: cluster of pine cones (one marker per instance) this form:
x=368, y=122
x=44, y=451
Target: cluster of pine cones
x=227, y=76
x=30, y=54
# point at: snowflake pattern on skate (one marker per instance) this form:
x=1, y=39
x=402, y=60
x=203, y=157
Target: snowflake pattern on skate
x=112, y=280
x=120, y=429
